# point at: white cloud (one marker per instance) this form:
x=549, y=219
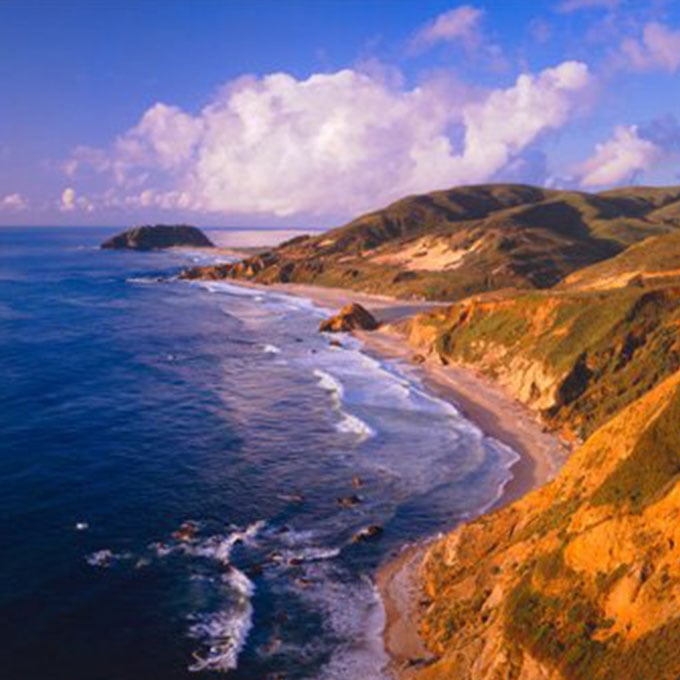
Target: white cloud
x=509, y=120
x=333, y=144
x=620, y=159
x=461, y=24
x=70, y=201
x=657, y=48
x=13, y=202
x=576, y=5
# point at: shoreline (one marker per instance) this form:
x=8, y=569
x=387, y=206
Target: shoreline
x=486, y=405
x=497, y=415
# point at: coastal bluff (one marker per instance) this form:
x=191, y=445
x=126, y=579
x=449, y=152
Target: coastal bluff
x=158, y=236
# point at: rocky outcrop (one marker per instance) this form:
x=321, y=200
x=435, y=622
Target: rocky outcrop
x=351, y=317
x=157, y=237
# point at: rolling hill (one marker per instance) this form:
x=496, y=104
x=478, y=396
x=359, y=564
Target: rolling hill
x=447, y=245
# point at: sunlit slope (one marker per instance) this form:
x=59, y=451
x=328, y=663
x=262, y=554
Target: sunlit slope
x=579, y=580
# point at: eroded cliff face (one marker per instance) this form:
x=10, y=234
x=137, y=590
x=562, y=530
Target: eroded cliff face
x=576, y=357
x=580, y=580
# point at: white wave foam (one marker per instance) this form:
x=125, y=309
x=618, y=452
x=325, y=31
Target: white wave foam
x=225, y=632
x=219, y=547
x=349, y=423
x=106, y=558
x=329, y=383
x=353, y=425
x=310, y=554
x=271, y=349
x=145, y=280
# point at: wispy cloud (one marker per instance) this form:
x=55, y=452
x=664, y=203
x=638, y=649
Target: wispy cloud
x=13, y=202
x=568, y=6
x=459, y=25
x=657, y=48
x=332, y=144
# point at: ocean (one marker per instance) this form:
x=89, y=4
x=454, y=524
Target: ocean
x=171, y=455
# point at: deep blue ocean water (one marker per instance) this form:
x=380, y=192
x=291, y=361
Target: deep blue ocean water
x=131, y=404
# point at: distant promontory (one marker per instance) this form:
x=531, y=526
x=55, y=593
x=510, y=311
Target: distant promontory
x=153, y=237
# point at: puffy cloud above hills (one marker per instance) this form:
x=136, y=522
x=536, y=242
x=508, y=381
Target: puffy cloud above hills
x=331, y=144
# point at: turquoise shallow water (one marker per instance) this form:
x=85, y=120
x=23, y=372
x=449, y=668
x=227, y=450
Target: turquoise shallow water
x=132, y=403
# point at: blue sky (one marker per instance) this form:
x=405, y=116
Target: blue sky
x=302, y=112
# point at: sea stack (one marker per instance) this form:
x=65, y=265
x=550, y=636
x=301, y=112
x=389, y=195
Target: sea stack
x=351, y=317
x=159, y=236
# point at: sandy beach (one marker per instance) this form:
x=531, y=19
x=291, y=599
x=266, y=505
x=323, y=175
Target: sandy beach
x=495, y=412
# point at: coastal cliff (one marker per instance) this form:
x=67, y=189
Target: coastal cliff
x=575, y=357
x=447, y=245
x=580, y=579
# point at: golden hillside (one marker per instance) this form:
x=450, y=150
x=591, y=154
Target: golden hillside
x=579, y=580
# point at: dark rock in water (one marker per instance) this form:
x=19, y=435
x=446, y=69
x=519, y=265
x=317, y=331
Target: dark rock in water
x=255, y=570
x=351, y=317
x=349, y=501
x=336, y=343
x=418, y=359
x=366, y=534
x=357, y=482
x=159, y=236
x=186, y=532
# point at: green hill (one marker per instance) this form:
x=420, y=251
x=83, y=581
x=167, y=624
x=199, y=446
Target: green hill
x=447, y=245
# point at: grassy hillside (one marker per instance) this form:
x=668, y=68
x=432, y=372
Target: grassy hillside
x=447, y=245
x=579, y=580
x=653, y=261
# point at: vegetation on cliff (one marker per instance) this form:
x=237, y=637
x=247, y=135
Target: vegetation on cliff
x=450, y=244
x=159, y=236
x=577, y=357
x=580, y=580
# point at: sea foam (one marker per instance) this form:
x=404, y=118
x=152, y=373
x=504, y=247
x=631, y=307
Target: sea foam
x=224, y=633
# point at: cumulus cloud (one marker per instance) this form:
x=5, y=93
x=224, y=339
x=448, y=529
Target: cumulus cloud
x=70, y=201
x=13, y=202
x=658, y=48
x=575, y=5
x=461, y=24
x=620, y=159
x=333, y=144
